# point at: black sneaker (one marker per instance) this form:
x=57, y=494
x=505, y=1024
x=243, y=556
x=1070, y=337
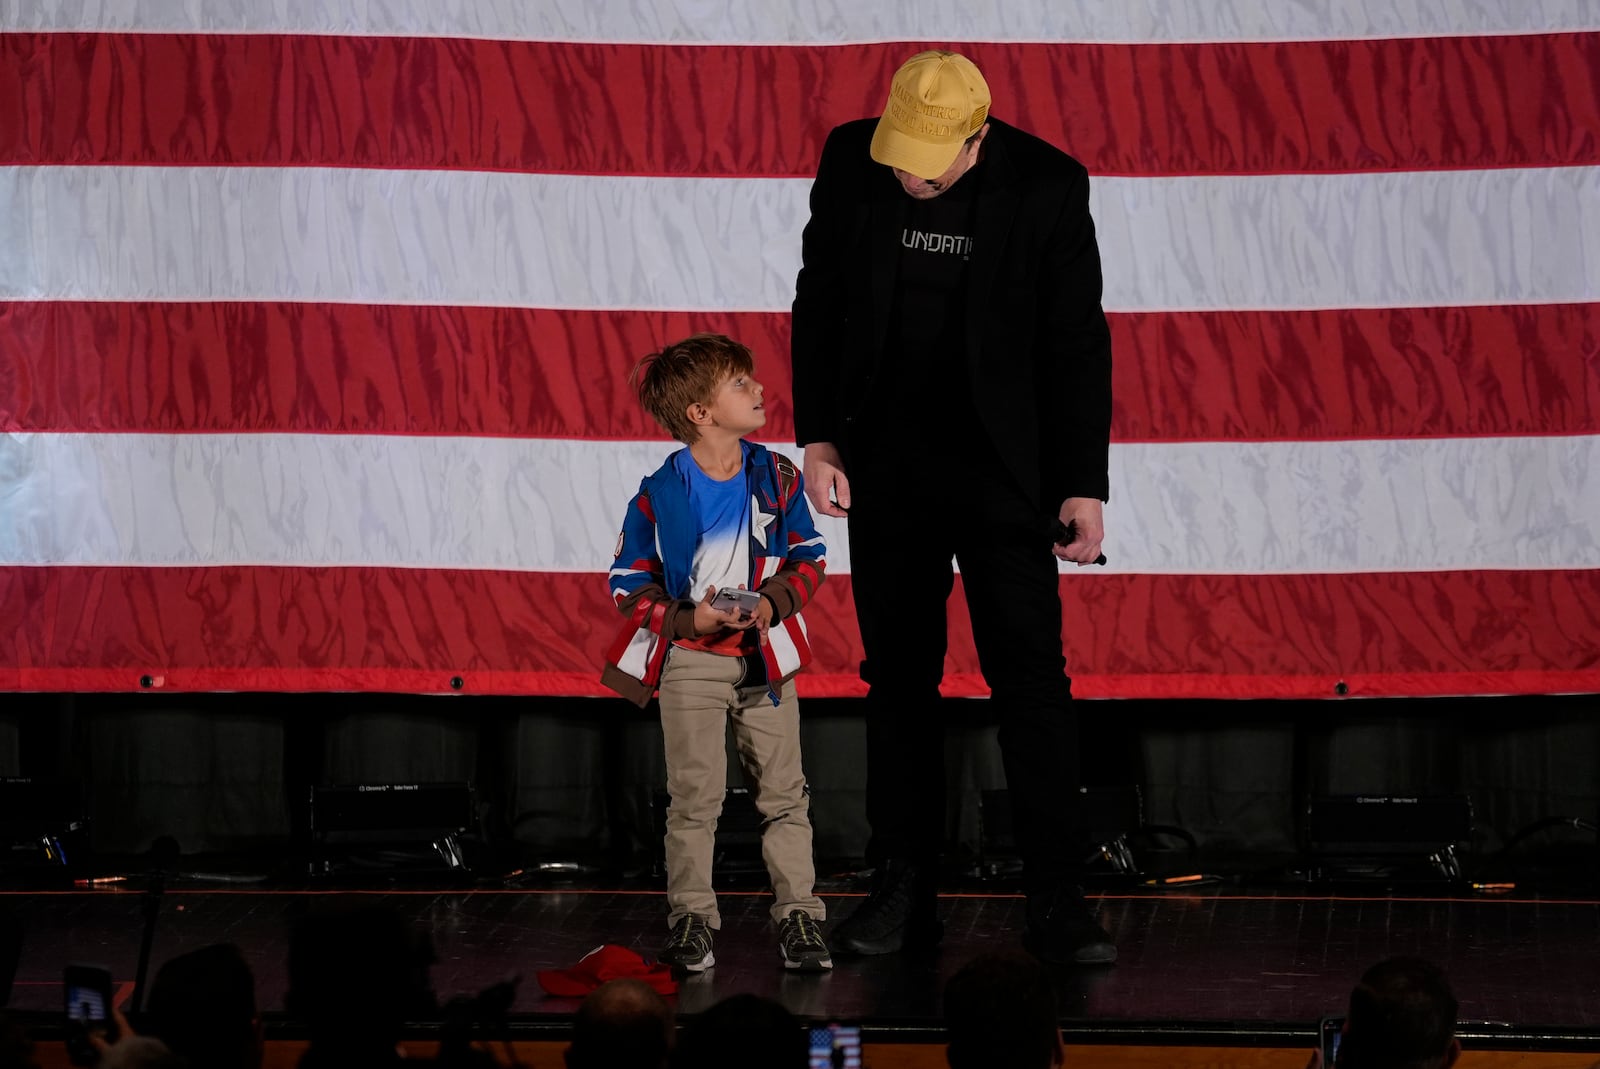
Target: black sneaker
x=800, y=943
x=900, y=913
x=689, y=945
x=1062, y=930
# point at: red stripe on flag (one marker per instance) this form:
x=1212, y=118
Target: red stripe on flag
x=398, y=369
x=542, y=633
x=1356, y=373
x=1134, y=109
x=809, y=683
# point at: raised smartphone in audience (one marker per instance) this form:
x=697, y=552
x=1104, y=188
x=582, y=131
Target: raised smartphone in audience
x=86, y=999
x=1330, y=1030
x=836, y=1045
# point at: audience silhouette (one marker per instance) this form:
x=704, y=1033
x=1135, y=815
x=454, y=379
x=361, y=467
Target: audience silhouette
x=203, y=1007
x=622, y=1024
x=1402, y=1015
x=1000, y=1013
x=742, y=1031
x=357, y=973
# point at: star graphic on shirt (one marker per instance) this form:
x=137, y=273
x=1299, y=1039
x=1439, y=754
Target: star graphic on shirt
x=760, y=521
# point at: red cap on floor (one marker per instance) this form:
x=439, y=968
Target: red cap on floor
x=606, y=962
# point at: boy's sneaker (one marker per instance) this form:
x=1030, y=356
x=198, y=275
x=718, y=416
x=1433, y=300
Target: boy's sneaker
x=689, y=945
x=800, y=942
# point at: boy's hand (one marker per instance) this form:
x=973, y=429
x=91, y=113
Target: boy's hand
x=708, y=620
x=760, y=619
x=763, y=619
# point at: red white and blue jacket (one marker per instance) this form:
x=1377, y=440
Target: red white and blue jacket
x=650, y=579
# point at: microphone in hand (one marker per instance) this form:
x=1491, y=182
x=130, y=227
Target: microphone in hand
x=1065, y=533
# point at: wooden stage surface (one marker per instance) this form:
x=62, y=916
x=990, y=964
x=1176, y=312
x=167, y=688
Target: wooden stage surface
x=1211, y=976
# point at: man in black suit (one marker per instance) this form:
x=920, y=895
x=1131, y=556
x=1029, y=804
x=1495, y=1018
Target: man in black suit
x=952, y=390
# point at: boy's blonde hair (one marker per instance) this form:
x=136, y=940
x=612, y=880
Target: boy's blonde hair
x=685, y=373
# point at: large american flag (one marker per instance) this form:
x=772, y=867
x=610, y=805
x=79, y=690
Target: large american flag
x=316, y=315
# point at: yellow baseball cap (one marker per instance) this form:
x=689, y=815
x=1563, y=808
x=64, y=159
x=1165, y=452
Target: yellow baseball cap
x=936, y=101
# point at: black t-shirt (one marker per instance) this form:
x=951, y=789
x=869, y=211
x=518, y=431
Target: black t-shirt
x=923, y=387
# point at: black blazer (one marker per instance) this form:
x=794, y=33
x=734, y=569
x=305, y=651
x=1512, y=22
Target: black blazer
x=1037, y=346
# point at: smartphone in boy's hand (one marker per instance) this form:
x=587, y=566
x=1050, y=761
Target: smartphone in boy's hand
x=742, y=603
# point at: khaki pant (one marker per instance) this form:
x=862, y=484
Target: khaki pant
x=700, y=693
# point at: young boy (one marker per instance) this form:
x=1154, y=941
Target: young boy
x=723, y=515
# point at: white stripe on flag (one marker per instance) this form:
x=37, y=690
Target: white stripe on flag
x=556, y=504
x=783, y=22
x=1403, y=239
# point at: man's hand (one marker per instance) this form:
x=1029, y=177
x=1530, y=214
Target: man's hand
x=1086, y=513
x=824, y=472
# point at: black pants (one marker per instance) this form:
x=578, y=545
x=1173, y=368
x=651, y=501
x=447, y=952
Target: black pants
x=905, y=527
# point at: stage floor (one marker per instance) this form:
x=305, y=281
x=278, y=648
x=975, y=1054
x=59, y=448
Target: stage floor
x=1204, y=965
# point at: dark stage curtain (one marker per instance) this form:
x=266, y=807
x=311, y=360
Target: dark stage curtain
x=578, y=778
x=10, y=747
